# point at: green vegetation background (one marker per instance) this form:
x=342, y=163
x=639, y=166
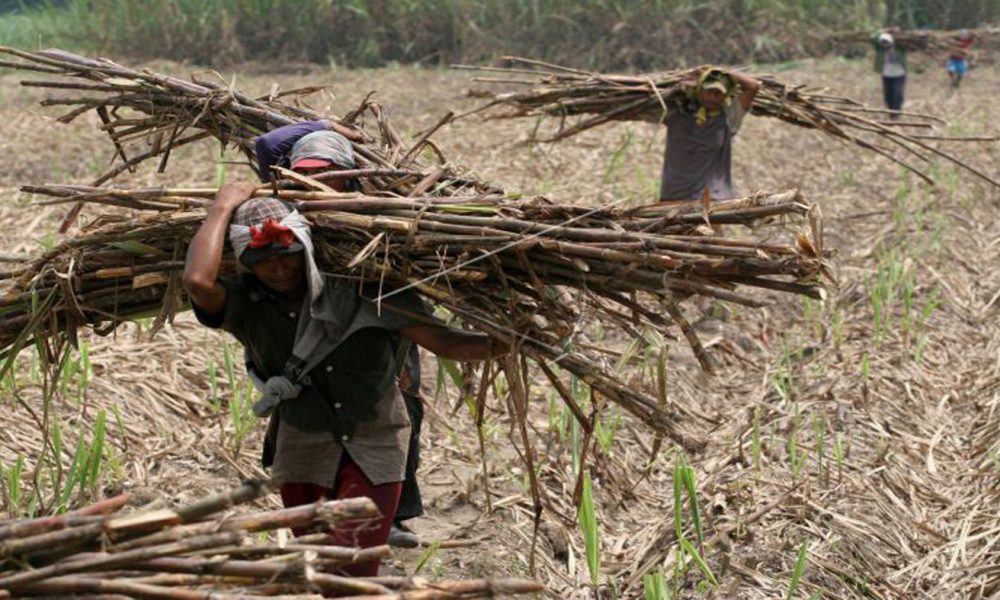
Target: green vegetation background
x=602, y=34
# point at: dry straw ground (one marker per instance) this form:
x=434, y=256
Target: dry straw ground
x=865, y=428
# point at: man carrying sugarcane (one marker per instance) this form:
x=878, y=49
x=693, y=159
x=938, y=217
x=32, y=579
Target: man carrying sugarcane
x=958, y=57
x=890, y=62
x=338, y=426
x=315, y=146
x=700, y=133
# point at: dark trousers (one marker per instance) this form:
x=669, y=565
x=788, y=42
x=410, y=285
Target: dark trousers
x=410, y=503
x=351, y=483
x=892, y=90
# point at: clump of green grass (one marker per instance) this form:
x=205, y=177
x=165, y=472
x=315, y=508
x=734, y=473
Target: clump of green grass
x=688, y=553
x=797, y=458
x=426, y=556
x=587, y=518
x=76, y=369
x=62, y=473
x=797, y=572
x=594, y=33
x=241, y=416
x=85, y=469
x=654, y=586
x=11, y=479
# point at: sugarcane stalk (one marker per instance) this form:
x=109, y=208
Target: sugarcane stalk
x=333, y=554
x=322, y=513
x=249, y=491
x=259, y=569
x=75, y=584
x=122, y=559
x=82, y=516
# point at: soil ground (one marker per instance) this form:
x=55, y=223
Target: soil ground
x=865, y=427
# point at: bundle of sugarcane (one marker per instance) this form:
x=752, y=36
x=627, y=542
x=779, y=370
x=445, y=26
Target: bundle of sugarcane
x=202, y=551
x=164, y=112
x=491, y=261
x=505, y=267
x=558, y=91
x=908, y=40
x=924, y=40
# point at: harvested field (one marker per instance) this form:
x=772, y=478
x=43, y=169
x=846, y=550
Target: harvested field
x=864, y=430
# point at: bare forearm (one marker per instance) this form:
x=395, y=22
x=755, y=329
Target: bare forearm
x=745, y=81
x=204, y=255
x=468, y=346
x=455, y=344
x=749, y=86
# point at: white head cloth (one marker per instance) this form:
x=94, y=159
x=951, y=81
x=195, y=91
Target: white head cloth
x=239, y=238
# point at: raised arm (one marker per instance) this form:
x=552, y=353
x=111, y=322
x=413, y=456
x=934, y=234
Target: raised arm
x=201, y=269
x=455, y=344
x=749, y=86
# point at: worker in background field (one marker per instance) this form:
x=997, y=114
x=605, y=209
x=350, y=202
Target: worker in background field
x=700, y=133
x=958, y=57
x=890, y=63
x=315, y=146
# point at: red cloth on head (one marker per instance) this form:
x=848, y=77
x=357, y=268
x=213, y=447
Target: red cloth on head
x=271, y=232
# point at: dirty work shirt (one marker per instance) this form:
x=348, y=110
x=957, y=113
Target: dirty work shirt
x=700, y=155
x=353, y=401
x=273, y=149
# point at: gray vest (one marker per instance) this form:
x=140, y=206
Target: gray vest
x=696, y=157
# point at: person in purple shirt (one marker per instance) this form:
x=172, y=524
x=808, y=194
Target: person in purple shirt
x=309, y=150
x=314, y=146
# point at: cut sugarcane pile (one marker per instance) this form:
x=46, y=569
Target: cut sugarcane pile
x=203, y=551
x=597, y=98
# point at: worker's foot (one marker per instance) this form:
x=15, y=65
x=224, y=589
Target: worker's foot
x=400, y=536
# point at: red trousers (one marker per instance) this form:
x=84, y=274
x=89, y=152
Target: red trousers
x=351, y=483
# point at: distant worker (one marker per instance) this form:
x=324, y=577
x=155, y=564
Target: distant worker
x=958, y=57
x=700, y=134
x=890, y=62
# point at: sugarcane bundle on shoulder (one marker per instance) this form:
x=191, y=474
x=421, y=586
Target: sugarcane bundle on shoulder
x=147, y=115
x=493, y=262
x=932, y=41
x=598, y=98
